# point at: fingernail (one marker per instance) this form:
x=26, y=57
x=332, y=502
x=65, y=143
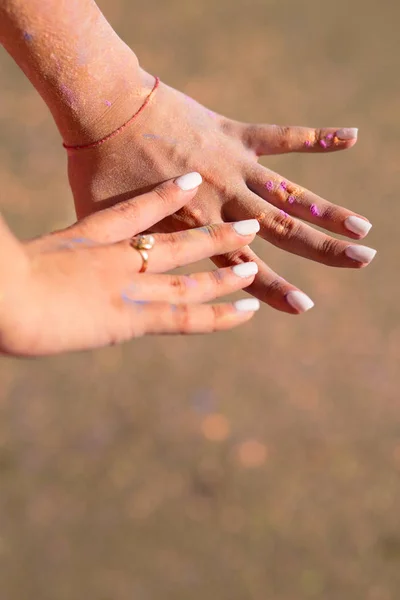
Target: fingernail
x=299, y=301
x=357, y=225
x=246, y=227
x=247, y=305
x=347, y=133
x=245, y=269
x=361, y=254
x=189, y=181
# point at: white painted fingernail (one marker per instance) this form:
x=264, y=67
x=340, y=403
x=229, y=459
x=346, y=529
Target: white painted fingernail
x=247, y=305
x=246, y=227
x=299, y=301
x=245, y=269
x=347, y=133
x=361, y=254
x=189, y=181
x=357, y=225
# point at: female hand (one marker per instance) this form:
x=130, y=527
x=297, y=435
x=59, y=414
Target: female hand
x=175, y=133
x=82, y=287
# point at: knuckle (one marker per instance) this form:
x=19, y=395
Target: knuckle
x=250, y=135
x=178, y=285
x=237, y=257
x=283, y=136
x=218, y=311
x=123, y=209
x=329, y=247
x=217, y=233
x=182, y=319
x=282, y=227
x=217, y=279
x=329, y=212
x=163, y=193
x=277, y=287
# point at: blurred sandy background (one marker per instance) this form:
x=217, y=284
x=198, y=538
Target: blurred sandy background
x=262, y=464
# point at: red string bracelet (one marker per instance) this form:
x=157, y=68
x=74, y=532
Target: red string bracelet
x=117, y=131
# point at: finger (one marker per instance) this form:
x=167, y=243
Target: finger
x=133, y=216
x=276, y=139
x=297, y=237
x=195, y=288
x=299, y=202
x=195, y=318
x=80, y=303
x=172, y=250
x=268, y=286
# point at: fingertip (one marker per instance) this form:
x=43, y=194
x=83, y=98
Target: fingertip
x=189, y=182
x=247, y=228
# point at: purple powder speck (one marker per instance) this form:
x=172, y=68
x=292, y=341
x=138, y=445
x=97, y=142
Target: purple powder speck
x=283, y=185
x=67, y=93
x=292, y=199
x=107, y=103
x=323, y=143
x=283, y=213
x=314, y=210
x=329, y=136
x=307, y=143
x=269, y=185
x=28, y=37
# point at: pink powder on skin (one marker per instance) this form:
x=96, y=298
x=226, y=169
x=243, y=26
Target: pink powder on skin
x=283, y=185
x=68, y=94
x=107, y=103
x=292, y=199
x=283, y=213
x=307, y=143
x=323, y=143
x=329, y=136
x=269, y=185
x=314, y=210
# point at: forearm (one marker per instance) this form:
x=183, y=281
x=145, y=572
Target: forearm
x=73, y=57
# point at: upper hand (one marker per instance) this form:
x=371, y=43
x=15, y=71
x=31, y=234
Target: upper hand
x=174, y=134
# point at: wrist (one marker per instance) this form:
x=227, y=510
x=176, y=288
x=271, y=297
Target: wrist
x=102, y=103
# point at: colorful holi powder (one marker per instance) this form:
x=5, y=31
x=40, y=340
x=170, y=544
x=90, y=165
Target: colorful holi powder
x=284, y=214
x=323, y=143
x=292, y=199
x=190, y=282
x=68, y=94
x=28, y=37
x=329, y=136
x=107, y=103
x=150, y=136
x=283, y=185
x=307, y=143
x=269, y=185
x=314, y=210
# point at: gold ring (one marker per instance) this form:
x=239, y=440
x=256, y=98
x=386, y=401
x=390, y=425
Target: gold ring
x=142, y=243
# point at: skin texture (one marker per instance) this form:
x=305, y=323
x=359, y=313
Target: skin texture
x=92, y=97
x=80, y=288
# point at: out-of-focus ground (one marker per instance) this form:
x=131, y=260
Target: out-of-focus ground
x=261, y=464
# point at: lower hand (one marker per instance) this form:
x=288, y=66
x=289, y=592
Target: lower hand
x=81, y=287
